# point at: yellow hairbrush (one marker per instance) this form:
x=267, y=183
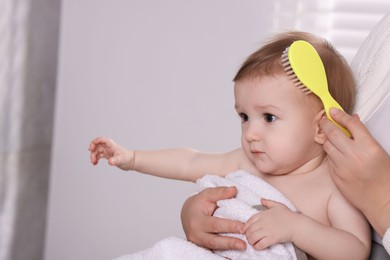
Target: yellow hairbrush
x=304, y=66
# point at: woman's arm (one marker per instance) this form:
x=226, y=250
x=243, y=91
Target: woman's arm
x=360, y=168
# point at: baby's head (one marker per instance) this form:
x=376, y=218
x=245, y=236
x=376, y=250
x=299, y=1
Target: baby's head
x=267, y=61
x=280, y=124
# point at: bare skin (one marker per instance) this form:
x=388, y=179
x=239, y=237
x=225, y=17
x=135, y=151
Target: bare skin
x=360, y=168
x=282, y=144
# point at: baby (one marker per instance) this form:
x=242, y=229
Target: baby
x=281, y=144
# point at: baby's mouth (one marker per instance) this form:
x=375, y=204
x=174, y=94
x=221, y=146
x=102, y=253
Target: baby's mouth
x=257, y=153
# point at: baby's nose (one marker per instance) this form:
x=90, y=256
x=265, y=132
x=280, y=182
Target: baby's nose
x=253, y=133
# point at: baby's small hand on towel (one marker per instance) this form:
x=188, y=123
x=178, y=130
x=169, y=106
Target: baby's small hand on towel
x=272, y=226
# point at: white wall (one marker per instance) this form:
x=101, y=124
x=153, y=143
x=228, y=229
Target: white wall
x=150, y=74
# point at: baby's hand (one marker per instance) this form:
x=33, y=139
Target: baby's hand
x=104, y=147
x=271, y=226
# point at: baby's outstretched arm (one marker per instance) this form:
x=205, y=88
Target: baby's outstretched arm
x=179, y=163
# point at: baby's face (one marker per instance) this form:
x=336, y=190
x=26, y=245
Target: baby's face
x=278, y=124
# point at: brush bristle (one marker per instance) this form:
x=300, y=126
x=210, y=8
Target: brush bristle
x=291, y=75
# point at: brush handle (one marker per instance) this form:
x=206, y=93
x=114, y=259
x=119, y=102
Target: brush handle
x=329, y=103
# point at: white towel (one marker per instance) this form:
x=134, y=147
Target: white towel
x=173, y=248
x=250, y=190
x=371, y=66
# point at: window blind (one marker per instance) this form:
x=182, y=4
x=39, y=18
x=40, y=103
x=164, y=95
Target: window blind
x=345, y=23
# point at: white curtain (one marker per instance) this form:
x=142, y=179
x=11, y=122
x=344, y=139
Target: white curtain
x=345, y=23
x=28, y=58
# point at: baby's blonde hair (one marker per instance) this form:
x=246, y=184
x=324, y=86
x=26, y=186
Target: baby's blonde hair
x=267, y=61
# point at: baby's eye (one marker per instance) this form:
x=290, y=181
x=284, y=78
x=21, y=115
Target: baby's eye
x=244, y=117
x=269, y=118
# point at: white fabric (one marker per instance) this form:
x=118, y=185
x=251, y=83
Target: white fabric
x=250, y=190
x=172, y=248
x=371, y=68
x=386, y=240
x=379, y=124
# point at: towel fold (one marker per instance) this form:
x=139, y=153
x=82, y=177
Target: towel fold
x=250, y=190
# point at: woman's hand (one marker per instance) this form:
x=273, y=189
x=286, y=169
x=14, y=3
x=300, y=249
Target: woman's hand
x=360, y=168
x=202, y=228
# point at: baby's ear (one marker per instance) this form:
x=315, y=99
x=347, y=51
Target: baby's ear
x=319, y=135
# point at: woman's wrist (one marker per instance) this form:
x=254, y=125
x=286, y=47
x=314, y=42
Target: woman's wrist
x=379, y=219
x=384, y=223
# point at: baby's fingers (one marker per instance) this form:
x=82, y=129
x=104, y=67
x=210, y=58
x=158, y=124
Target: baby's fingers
x=254, y=236
x=115, y=161
x=94, y=156
x=263, y=244
x=91, y=147
x=251, y=221
x=108, y=143
x=258, y=238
